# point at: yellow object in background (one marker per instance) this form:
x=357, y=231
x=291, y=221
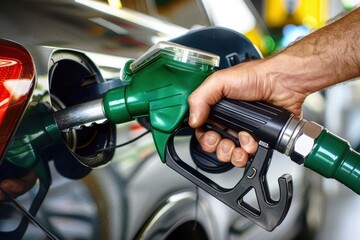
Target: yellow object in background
x=312, y=13
x=115, y=4
x=262, y=41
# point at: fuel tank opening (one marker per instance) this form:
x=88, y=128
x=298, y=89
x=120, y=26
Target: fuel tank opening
x=75, y=79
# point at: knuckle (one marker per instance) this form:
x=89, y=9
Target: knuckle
x=191, y=98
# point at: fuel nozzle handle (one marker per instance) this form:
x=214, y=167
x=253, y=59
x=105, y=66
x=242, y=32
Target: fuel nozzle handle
x=266, y=122
x=305, y=142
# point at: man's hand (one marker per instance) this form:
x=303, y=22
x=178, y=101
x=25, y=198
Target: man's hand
x=325, y=57
x=250, y=81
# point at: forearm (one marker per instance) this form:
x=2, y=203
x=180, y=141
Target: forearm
x=326, y=57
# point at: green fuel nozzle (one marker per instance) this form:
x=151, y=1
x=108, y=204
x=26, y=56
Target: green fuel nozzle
x=158, y=86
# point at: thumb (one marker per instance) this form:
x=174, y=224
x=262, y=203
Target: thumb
x=200, y=101
x=199, y=111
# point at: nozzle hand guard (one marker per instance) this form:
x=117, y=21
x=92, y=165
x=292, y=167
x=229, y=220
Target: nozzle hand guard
x=270, y=213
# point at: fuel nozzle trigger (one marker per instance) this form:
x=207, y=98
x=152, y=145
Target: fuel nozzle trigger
x=269, y=213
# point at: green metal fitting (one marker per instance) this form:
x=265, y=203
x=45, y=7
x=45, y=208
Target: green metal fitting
x=332, y=157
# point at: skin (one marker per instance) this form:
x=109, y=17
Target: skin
x=16, y=187
x=325, y=57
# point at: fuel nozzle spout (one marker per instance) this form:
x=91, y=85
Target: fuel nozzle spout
x=80, y=115
x=76, y=117
x=112, y=107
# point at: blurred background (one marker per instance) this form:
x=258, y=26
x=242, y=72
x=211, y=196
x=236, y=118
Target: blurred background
x=138, y=197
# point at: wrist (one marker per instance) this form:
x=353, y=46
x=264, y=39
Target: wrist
x=288, y=84
x=301, y=74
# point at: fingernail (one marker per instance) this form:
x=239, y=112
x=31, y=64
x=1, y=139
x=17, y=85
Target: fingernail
x=237, y=159
x=237, y=156
x=210, y=140
x=244, y=140
x=225, y=148
x=192, y=119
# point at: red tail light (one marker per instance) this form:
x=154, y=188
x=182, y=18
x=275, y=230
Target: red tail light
x=17, y=78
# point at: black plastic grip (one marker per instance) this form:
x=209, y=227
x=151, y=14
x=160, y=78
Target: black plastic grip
x=262, y=120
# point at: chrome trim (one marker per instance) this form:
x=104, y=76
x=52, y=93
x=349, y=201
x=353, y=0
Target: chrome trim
x=289, y=134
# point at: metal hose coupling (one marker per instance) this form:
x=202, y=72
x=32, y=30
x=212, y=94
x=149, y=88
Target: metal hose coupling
x=302, y=140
